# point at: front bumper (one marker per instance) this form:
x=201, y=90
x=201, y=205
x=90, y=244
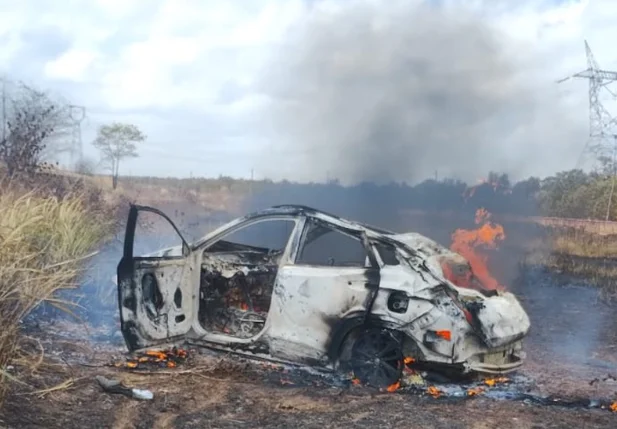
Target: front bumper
x=498, y=361
x=490, y=368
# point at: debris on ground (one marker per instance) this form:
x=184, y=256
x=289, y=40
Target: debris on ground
x=609, y=377
x=170, y=358
x=115, y=386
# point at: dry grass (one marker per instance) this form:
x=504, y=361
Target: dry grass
x=577, y=252
x=43, y=242
x=582, y=243
x=590, y=226
x=209, y=194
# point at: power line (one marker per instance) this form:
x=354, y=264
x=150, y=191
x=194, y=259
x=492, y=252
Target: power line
x=602, y=141
x=601, y=122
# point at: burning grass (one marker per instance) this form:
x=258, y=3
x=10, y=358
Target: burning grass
x=43, y=242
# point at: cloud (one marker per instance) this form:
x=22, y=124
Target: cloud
x=216, y=84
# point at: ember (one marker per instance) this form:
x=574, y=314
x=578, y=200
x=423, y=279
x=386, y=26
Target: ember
x=492, y=381
x=394, y=387
x=433, y=391
x=475, y=391
x=161, y=358
x=467, y=243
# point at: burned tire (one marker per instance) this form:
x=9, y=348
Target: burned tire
x=377, y=357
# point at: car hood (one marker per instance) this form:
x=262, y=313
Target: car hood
x=427, y=252
x=421, y=244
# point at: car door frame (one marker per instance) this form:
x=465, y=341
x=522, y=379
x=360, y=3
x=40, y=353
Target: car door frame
x=281, y=340
x=139, y=326
x=203, y=335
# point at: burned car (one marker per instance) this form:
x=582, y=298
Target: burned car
x=326, y=291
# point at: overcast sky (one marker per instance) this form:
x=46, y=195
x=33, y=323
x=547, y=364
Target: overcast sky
x=311, y=89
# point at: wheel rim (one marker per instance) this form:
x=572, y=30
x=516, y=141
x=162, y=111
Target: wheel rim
x=376, y=358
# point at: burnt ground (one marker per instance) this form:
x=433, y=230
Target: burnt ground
x=565, y=381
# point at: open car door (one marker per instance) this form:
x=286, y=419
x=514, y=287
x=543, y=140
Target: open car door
x=156, y=292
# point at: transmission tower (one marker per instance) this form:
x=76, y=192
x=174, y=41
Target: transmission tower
x=602, y=125
x=3, y=102
x=602, y=141
x=77, y=115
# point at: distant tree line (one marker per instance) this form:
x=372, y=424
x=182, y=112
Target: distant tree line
x=573, y=194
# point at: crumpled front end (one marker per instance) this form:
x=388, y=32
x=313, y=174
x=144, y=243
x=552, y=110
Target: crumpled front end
x=463, y=330
x=476, y=330
x=501, y=319
x=499, y=323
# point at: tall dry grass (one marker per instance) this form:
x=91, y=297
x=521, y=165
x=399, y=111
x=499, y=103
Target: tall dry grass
x=43, y=242
x=578, y=253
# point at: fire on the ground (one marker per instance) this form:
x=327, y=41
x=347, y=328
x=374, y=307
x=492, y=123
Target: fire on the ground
x=169, y=358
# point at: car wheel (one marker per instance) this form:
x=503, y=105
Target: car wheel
x=376, y=357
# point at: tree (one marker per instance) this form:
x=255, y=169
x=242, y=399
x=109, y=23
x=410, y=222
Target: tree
x=52, y=113
x=117, y=141
x=30, y=121
x=556, y=195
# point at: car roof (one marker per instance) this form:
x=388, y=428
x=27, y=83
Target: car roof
x=301, y=210
x=294, y=210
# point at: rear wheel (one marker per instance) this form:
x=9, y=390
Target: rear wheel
x=376, y=357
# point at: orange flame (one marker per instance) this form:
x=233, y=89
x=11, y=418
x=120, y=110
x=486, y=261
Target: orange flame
x=167, y=358
x=394, y=387
x=433, y=391
x=613, y=407
x=467, y=243
x=475, y=391
x=492, y=381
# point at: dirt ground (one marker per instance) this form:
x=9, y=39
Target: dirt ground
x=212, y=391
x=567, y=377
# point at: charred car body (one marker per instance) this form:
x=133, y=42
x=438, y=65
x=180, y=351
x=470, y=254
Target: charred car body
x=331, y=293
